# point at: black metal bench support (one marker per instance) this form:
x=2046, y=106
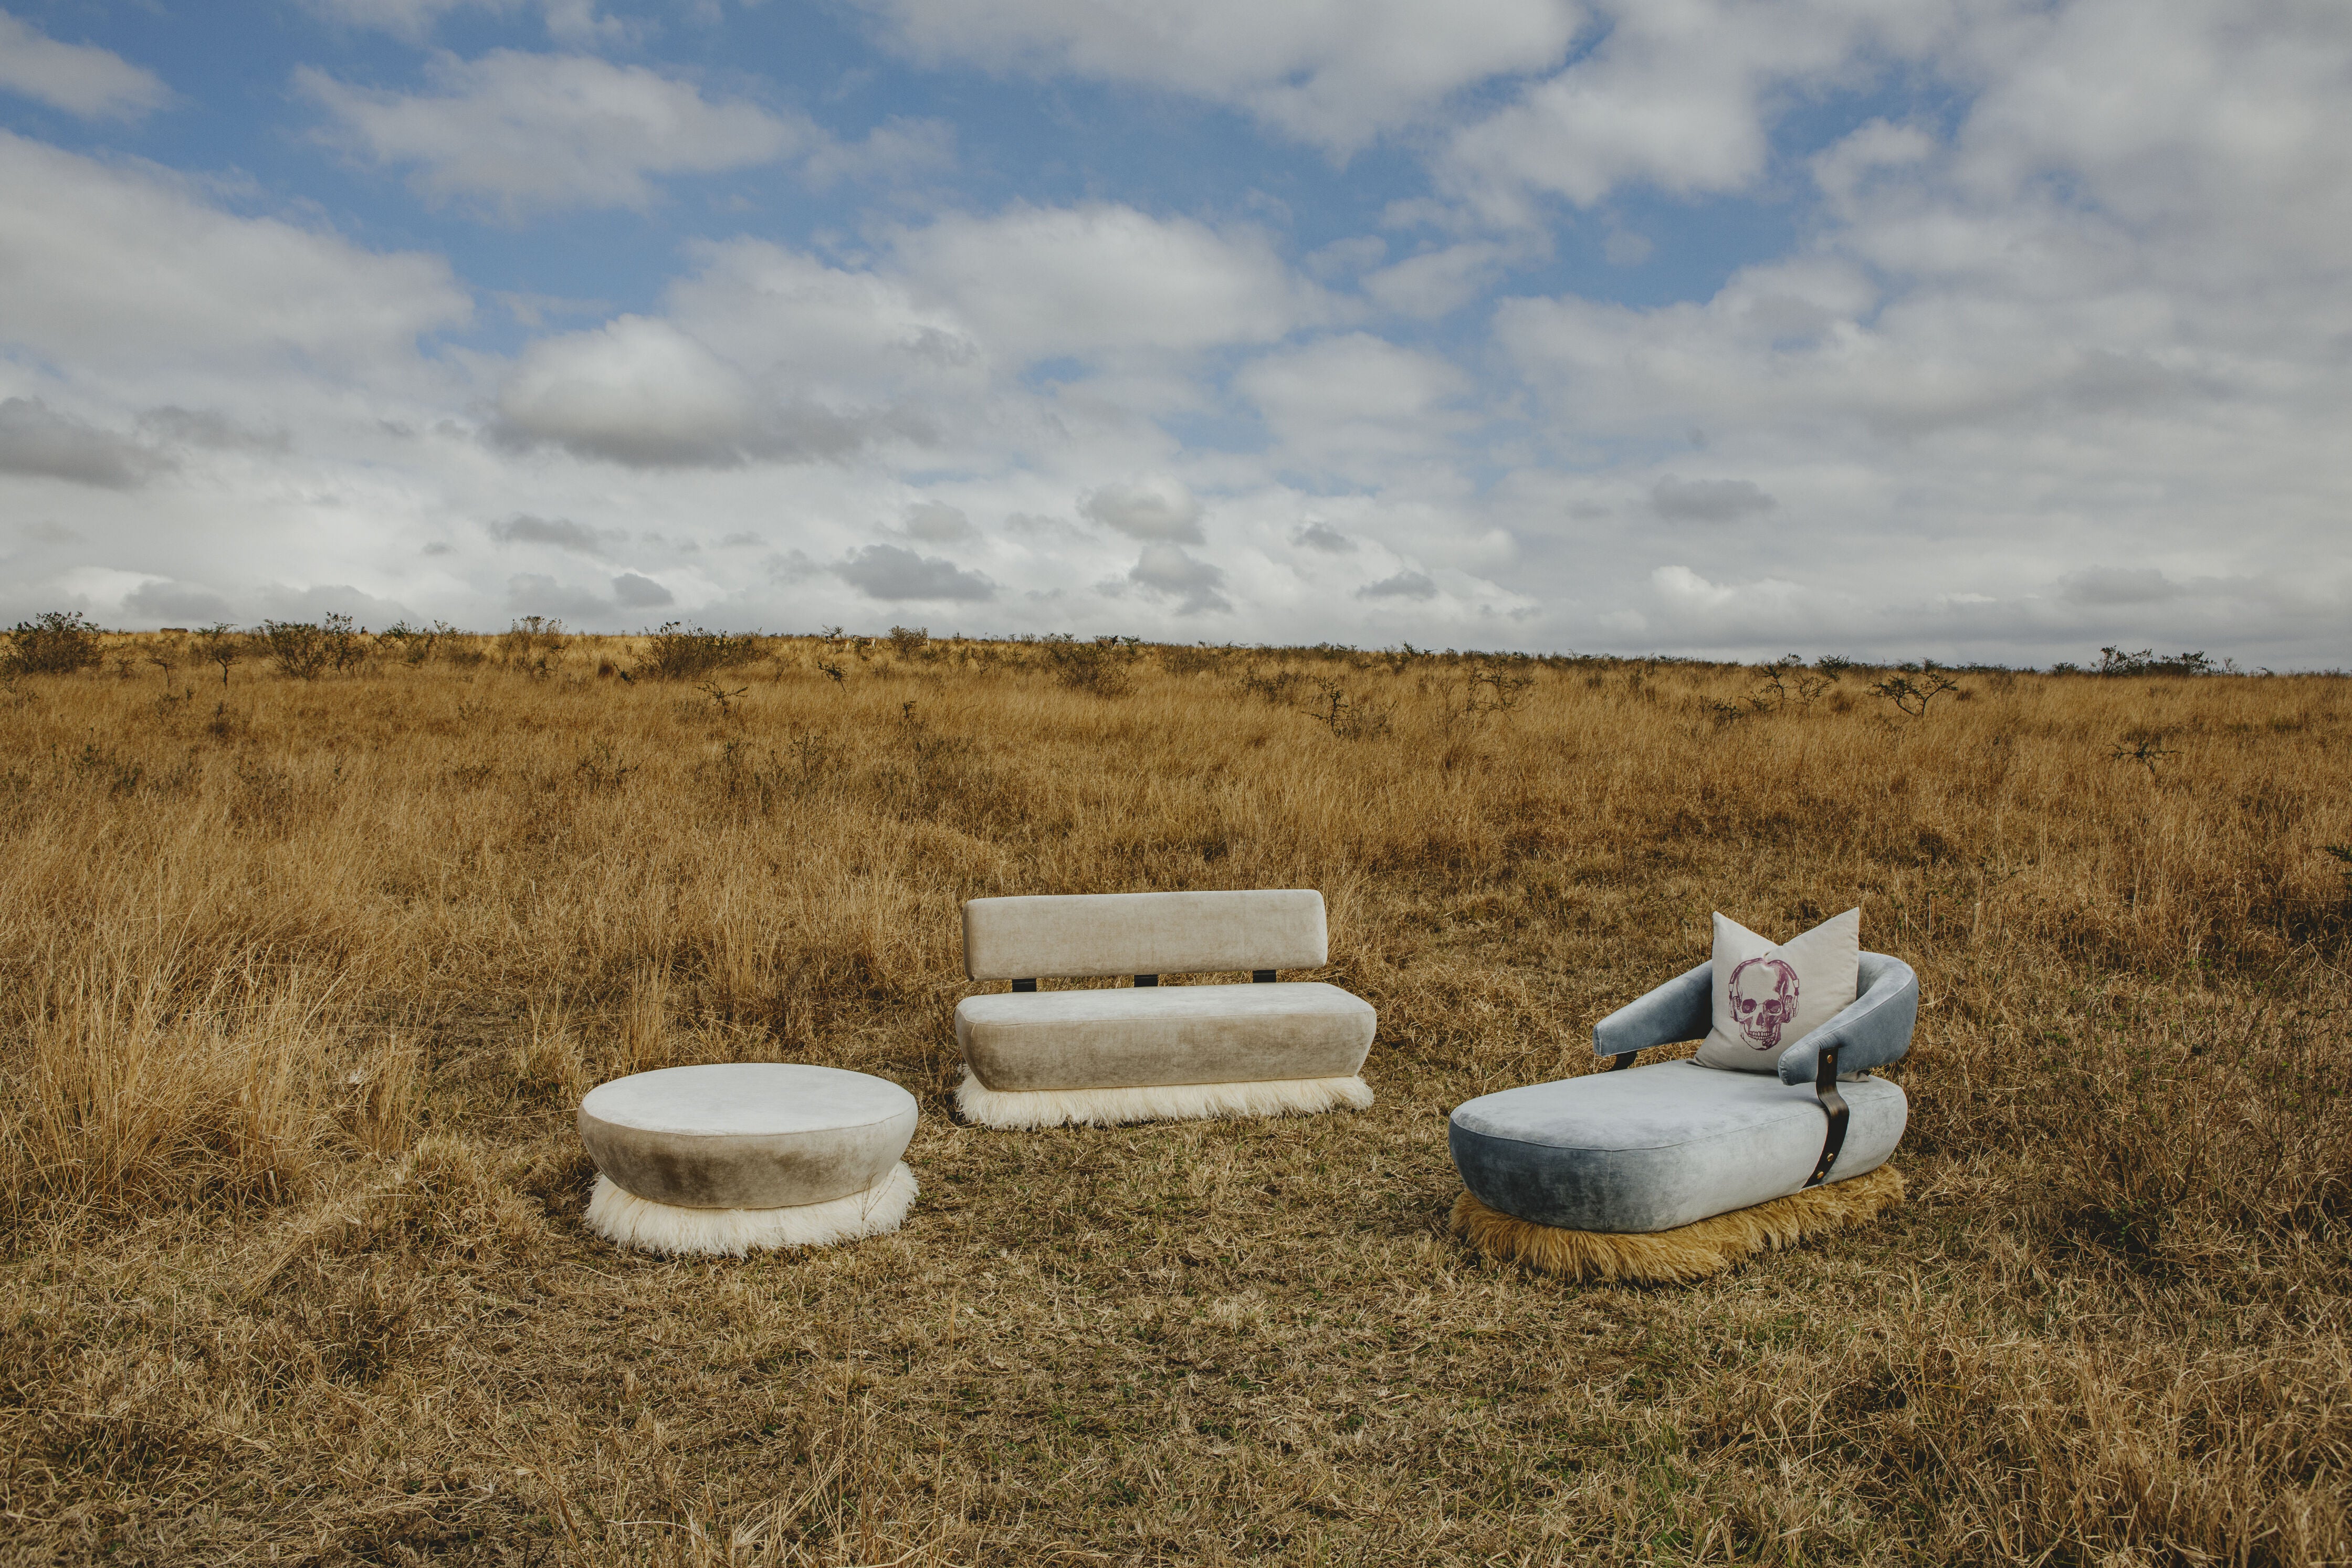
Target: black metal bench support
x=1834, y=1104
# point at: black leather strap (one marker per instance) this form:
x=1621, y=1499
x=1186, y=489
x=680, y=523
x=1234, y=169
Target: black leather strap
x=1262, y=976
x=1025, y=985
x=1147, y=979
x=1834, y=1104
x=1621, y=1061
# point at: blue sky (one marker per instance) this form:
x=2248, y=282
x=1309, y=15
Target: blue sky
x=1995, y=330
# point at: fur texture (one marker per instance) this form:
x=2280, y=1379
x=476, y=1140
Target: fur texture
x=626, y=1220
x=1688, y=1252
x=1032, y=1108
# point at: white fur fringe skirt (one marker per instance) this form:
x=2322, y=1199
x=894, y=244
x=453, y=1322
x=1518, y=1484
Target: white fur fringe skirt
x=1032, y=1108
x=626, y=1220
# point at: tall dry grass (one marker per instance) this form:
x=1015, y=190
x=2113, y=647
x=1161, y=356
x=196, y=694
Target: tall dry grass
x=300, y=980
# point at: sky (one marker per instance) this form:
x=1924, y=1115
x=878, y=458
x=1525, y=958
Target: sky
x=1981, y=330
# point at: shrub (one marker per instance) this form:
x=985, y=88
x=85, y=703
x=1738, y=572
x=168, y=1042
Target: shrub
x=305, y=650
x=532, y=634
x=2148, y=662
x=1099, y=666
x=55, y=643
x=416, y=644
x=689, y=653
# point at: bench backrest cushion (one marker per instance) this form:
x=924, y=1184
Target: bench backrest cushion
x=1084, y=936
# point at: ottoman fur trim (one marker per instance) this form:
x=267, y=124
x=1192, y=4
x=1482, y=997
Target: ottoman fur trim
x=628, y=1220
x=1031, y=1108
x=1687, y=1252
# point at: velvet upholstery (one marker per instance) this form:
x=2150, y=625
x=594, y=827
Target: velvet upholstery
x=1874, y=1031
x=1659, y=1147
x=752, y=1136
x=1163, y=1035
x=1097, y=934
x=1681, y=1010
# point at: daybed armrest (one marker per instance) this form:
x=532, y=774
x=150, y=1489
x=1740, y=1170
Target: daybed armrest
x=1871, y=1032
x=1682, y=1009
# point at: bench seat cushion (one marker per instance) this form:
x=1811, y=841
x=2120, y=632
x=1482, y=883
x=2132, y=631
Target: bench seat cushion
x=1655, y=1147
x=1163, y=1035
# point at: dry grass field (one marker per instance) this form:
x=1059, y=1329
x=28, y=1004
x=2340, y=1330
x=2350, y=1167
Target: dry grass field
x=300, y=980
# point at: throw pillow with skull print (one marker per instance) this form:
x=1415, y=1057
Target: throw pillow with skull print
x=1767, y=996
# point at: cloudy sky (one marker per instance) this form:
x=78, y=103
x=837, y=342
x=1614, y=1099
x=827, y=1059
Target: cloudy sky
x=1997, y=329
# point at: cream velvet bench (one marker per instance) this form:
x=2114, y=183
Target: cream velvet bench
x=1040, y=1058
x=731, y=1156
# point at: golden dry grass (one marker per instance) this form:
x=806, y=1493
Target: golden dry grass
x=303, y=979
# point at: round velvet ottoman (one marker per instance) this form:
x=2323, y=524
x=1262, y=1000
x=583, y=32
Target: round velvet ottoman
x=733, y=1157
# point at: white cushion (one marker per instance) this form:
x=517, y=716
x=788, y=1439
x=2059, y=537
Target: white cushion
x=1163, y=1034
x=1767, y=998
x=752, y=1134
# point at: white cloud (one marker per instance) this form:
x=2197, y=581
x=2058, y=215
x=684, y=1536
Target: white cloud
x=1037, y=282
x=895, y=575
x=80, y=78
x=635, y=391
x=1405, y=584
x=1166, y=570
x=833, y=334
x=106, y=268
x=1438, y=282
x=525, y=132
x=1680, y=95
x=38, y=441
x=935, y=522
x=1708, y=500
x=635, y=591
x=166, y=602
x=561, y=532
x=766, y=354
x=537, y=593
x=2118, y=585
x=1354, y=398
x=641, y=393
x=570, y=21
x=1334, y=73
x=402, y=18
x=898, y=149
x=1158, y=508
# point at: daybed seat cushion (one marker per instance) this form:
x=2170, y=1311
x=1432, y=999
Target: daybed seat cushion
x=1163, y=1035
x=1655, y=1147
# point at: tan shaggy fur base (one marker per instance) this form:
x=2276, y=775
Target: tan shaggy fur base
x=1688, y=1252
x=628, y=1220
x=1031, y=1108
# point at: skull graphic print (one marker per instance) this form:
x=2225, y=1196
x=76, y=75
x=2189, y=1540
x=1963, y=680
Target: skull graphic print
x=1763, y=1000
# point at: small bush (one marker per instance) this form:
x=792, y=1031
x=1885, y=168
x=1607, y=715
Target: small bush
x=2148, y=662
x=305, y=650
x=532, y=635
x=415, y=644
x=55, y=643
x=690, y=654
x=1099, y=666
